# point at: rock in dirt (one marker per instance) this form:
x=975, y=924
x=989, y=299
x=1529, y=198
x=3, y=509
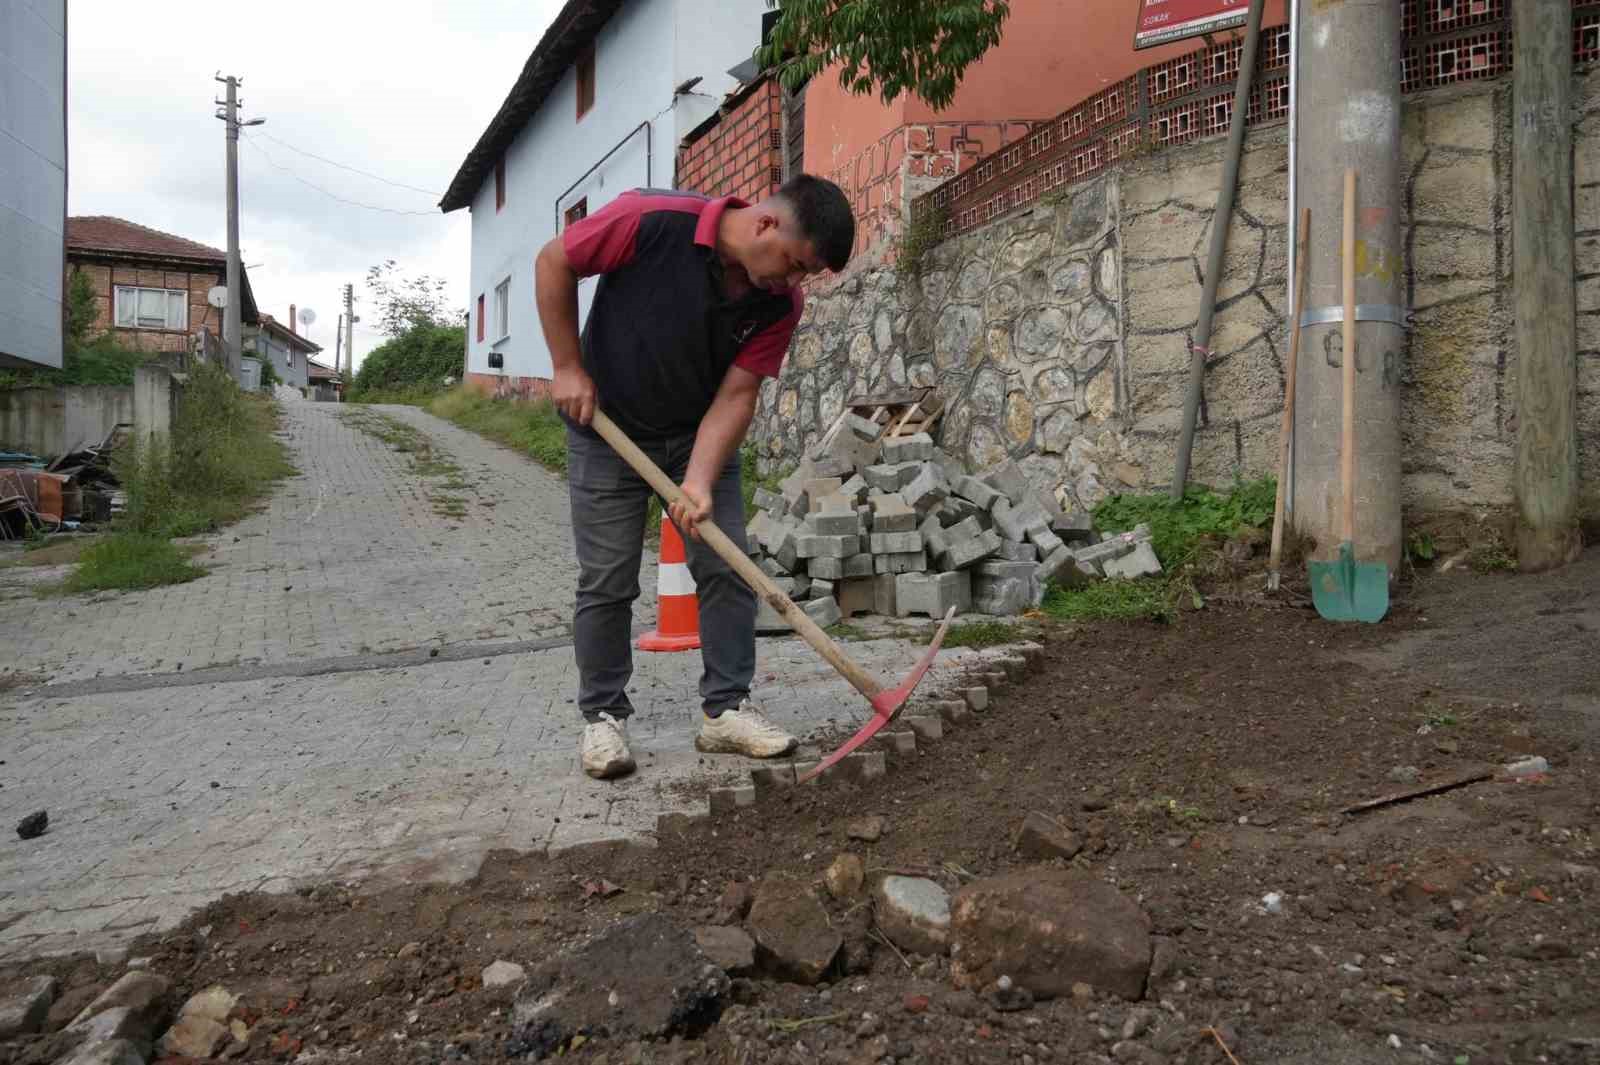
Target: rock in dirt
x=202, y=1024
x=1048, y=929
x=24, y=1013
x=794, y=940
x=845, y=877
x=139, y=1001
x=643, y=979
x=914, y=913
x=109, y=1052
x=734, y=903
x=1043, y=837
x=728, y=947
x=502, y=974
x=866, y=829
x=33, y=826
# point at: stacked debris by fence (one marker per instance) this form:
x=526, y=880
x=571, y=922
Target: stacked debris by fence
x=77, y=488
x=878, y=523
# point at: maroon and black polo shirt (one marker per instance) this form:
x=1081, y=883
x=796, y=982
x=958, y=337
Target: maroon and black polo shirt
x=661, y=335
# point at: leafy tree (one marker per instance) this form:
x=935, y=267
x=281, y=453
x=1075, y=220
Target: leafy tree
x=918, y=46
x=81, y=309
x=404, y=303
x=422, y=355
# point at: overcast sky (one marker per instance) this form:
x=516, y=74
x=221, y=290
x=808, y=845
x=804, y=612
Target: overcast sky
x=399, y=88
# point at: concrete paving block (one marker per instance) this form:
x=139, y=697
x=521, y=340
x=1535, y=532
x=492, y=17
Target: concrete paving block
x=999, y=568
x=678, y=822
x=787, y=553
x=1009, y=480
x=771, y=568
x=891, y=514
x=1012, y=551
x=932, y=594
x=917, y=447
x=927, y=490
x=727, y=800
x=928, y=728
x=858, y=565
x=1140, y=562
x=817, y=546
x=773, y=777
x=1044, y=541
x=887, y=477
x=955, y=509
x=767, y=499
x=859, y=767
x=1075, y=526
x=895, y=543
x=970, y=552
x=785, y=585
x=947, y=462
x=1112, y=547
x=901, y=562
x=831, y=465
x=828, y=569
x=976, y=492
x=1015, y=667
x=824, y=611
x=884, y=595
x=1015, y=522
x=933, y=535
x=965, y=529
x=802, y=587
x=819, y=487
x=1033, y=652
x=821, y=588
x=769, y=622
x=977, y=698
x=954, y=711
x=758, y=528
x=901, y=742
x=996, y=679
x=854, y=596
x=1002, y=596
x=865, y=428
x=854, y=489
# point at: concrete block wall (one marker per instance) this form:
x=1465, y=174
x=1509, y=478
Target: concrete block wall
x=48, y=421
x=1057, y=333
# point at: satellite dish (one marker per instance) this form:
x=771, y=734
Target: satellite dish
x=307, y=316
x=218, y=296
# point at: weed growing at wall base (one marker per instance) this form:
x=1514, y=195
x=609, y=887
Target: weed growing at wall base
x=129, y=561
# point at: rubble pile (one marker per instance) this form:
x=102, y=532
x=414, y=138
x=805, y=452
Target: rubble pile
x=895, y=526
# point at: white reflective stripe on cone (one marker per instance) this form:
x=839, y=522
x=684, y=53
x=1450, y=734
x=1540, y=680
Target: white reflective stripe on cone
x=674, y=579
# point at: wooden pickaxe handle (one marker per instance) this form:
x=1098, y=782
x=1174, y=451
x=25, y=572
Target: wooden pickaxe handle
x=730, y=553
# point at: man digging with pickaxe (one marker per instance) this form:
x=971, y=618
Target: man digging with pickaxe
x=696, y=303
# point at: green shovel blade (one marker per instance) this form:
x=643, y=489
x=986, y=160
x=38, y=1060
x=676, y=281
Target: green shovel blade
x=1347, y=590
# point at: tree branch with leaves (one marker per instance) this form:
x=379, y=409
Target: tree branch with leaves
x=894, y=46
x=404, y=303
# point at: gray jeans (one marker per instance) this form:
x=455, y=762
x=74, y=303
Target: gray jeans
x=609, y=504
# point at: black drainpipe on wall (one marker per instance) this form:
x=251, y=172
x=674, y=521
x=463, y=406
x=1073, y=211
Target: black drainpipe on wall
x=649, y=150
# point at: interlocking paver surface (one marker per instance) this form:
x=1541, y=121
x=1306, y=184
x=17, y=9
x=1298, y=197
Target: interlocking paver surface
x=166, y=791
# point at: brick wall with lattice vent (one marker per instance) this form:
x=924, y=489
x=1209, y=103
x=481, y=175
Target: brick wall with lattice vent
x=742, y=153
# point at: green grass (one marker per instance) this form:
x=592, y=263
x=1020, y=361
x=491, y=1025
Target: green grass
x=1148, y=599
x=427, y=460
x=129, y=560
x=404, y=395
x=1177, y=529
x=979, y=634
x=535, y=428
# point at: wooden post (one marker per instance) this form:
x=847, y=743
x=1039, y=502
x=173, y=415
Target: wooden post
x=1542, y=264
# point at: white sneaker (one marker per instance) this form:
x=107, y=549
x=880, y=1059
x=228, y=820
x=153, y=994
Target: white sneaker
x=604, y=751
x=744, y=730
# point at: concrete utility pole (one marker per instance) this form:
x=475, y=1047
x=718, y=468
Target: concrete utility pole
x=338, y=343
x=232, y=329
x=1349, y=116
x=1542, y=265
x=349, y=334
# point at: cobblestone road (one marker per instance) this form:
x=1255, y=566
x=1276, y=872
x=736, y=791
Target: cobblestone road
x=333, y=752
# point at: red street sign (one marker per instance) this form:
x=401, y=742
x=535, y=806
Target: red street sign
x=1165, y=21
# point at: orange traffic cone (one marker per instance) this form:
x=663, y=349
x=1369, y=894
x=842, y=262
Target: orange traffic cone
x=677, y=606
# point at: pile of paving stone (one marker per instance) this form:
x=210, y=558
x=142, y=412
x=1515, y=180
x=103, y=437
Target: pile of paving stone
x=897, y=527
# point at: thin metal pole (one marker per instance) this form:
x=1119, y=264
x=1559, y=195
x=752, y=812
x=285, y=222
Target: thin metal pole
x=232, y=329
x=1295, y=264
x=1220, y=222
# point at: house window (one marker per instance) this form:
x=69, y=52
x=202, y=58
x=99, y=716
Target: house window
x=499, y=184
x=152, y=308
x=577, y=212
x=480, y=318
x=585, y=81
x=502, y=310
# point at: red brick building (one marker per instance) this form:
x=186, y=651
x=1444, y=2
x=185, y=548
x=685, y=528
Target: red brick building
x=739, y=150
x=150, y=287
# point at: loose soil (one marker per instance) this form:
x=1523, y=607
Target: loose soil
x=1205, y=765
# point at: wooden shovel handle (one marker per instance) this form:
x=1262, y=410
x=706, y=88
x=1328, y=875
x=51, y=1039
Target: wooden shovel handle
x=1347, y=437
x=730, y=553
x=1301, y=277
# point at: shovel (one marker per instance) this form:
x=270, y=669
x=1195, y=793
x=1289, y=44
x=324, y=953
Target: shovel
x=886, y=702
x=1347, y=590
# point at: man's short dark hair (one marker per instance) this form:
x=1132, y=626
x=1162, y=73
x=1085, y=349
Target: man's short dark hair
x=824, y=216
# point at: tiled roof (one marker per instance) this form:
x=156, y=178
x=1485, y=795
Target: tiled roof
x=104, y=233
x=283, y=332
x=315, y=371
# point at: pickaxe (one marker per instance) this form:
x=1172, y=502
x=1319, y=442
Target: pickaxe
x=886, y=702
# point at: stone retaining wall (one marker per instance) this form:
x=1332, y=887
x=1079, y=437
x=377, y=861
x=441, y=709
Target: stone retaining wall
x=1057, y=333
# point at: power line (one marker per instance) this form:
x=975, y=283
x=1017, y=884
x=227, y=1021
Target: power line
x=353, y=170
x=250, y=140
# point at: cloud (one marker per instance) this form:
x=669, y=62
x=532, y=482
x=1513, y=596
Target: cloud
x=401, y=89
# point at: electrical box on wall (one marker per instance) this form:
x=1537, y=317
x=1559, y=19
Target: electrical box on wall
x=497, y=360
